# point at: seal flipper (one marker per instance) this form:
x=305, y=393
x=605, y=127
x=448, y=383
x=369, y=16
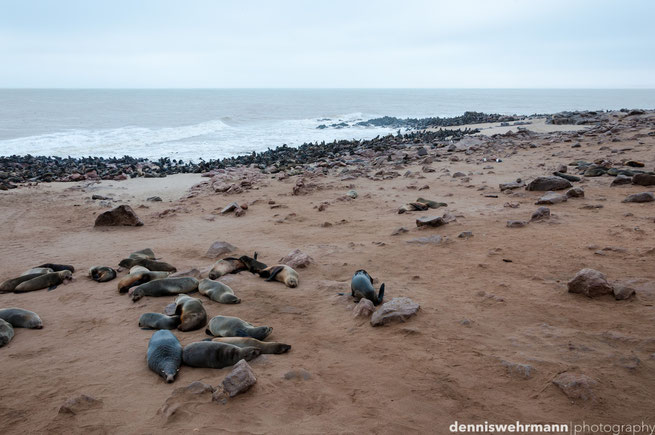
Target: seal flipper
x=380, y=295
x=273, y=272
x=208, y=332
x=52, y=287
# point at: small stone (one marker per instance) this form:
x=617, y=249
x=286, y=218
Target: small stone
x=352, y=194
x=590, y=283
x=297, y=374
x=123, y=215
x=434, y=240
x=551, y=198
x=548, y=183
x=524, y=371
x=621, y=180
x=230, y=207
x=542, y=213
x=561, y=168
x=219, y=248
x=297, y=259
x=640, y=197
x=399, y=230
x=421, y=151
x=459, y=175
x=396, y=310
x=516, y=224
x=465, y=235
x=511, y=186
x=101, y=198
x=240, y=379
x=79, y=403
x=622, y=292
x=154, y=199
x=430, y=221
x=364, y=308
x=576, y=192
x=576, y=386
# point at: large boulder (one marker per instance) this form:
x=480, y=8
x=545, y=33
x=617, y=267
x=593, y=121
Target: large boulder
x=396, y=310
x=123, y=215
x=544, y=184
x=590, y=282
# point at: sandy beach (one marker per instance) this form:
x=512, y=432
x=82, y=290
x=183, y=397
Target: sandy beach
x=490, y=305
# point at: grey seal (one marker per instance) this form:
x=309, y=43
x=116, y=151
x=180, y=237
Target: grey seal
x=362, y=287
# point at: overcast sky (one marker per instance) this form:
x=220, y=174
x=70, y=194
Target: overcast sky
x=334, y=44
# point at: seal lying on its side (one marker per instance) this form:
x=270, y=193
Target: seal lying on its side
x=37, y=270
x=20, y=318
x=217, y=291
x=102, y=273
x=154, y=265
x=252, y=264
x=158, y=321
x=10, y=284
x=282, y=273
x=164, y=354
x=225, y=266
x=362, y=287
x=165, y=287
x=216, y=355
x=225, y=326
x=58, y=267
x=6, y=332
x=48, y=280
x=192, y=314
x=264, y=346
x=138, y=278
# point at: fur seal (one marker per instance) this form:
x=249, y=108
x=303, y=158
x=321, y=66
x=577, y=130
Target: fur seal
x=164, y=354
x=138, y=269
x=6, y=332
x=252, y=264
x=20, y=318
x=225, y=266
x=138, y=278
x=282, y=273
x=37, y=270
x=165, y=287
x=213, y=355
x=48, y=280
x=225, y=326
x=192, y=314
x=361, y=286
x=153, y=265
x=217, y=291
x=264, y=346
x=102, y=273
x=158, y=321
x=10, y=284
x=58, y=267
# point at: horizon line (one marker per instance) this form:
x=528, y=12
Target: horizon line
x=326, y=88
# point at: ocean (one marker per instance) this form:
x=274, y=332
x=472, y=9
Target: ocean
x=191, y=124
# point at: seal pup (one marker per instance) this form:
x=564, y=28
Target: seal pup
x=20, y=318
x=282, y=273
x=138, y=278
x=217, y=291
x=252, y=264
x=192, y=314
x=58, y=267
x=6, y=332
x=153, y=265
x=270, y=347
x=48, y=280
x=361, y=286
x=102, y=273
x=164, y=354
x=225, y=266
x=37, y=270
x=225, y=326
x=158, y=321
x=10, y=284
x=165, y=287
x=209, y=354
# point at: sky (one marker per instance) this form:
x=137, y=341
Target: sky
x=327, y=44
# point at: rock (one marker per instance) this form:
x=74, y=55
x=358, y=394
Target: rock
x=352, y=194
x=465, y=235
x=576, y=192
x=239, y=211
x=434, y=239
x=621, y=180
x=297, y=259
x=230, y=207
x=548, y=183
x=459, y=175
x=364, y=308
x=219, y=248
x=421, y=151
x=240, y=379
x=551, y=198
x=524, y=371
x=396, y=310
x=399, y=230
x=101, y=198
x=643, y=179
x=154, y=199
x=123, y=215
x=79, y=403
x=184, y=400
x=511, y=186
x=566, y=176
x=430, y=221
x=297, y=374
x=542, y=213
x=622, y=292
x=591, y=283
x=193, y=273
x=516, y=224
x=561, y=168
x=575, y=385
x=640, y=197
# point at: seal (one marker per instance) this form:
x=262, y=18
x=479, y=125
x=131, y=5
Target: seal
x=264, y=346
x=192, y=314
x=138, y=269
x=153, y=265
x=282, y=273
x=10, y=284
x=138, y=278
x=225, y=326
x=225, y=266
x=48, y=280
x=158, y=321
x=217, y=291
x=164, y=354
x=20, y=318
x=213, y=355
x=37, y=270
x=165, y=287
x=102, y=273
x=252, y=264
x=361, y=286
x=58, y=267
x=6, y=332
